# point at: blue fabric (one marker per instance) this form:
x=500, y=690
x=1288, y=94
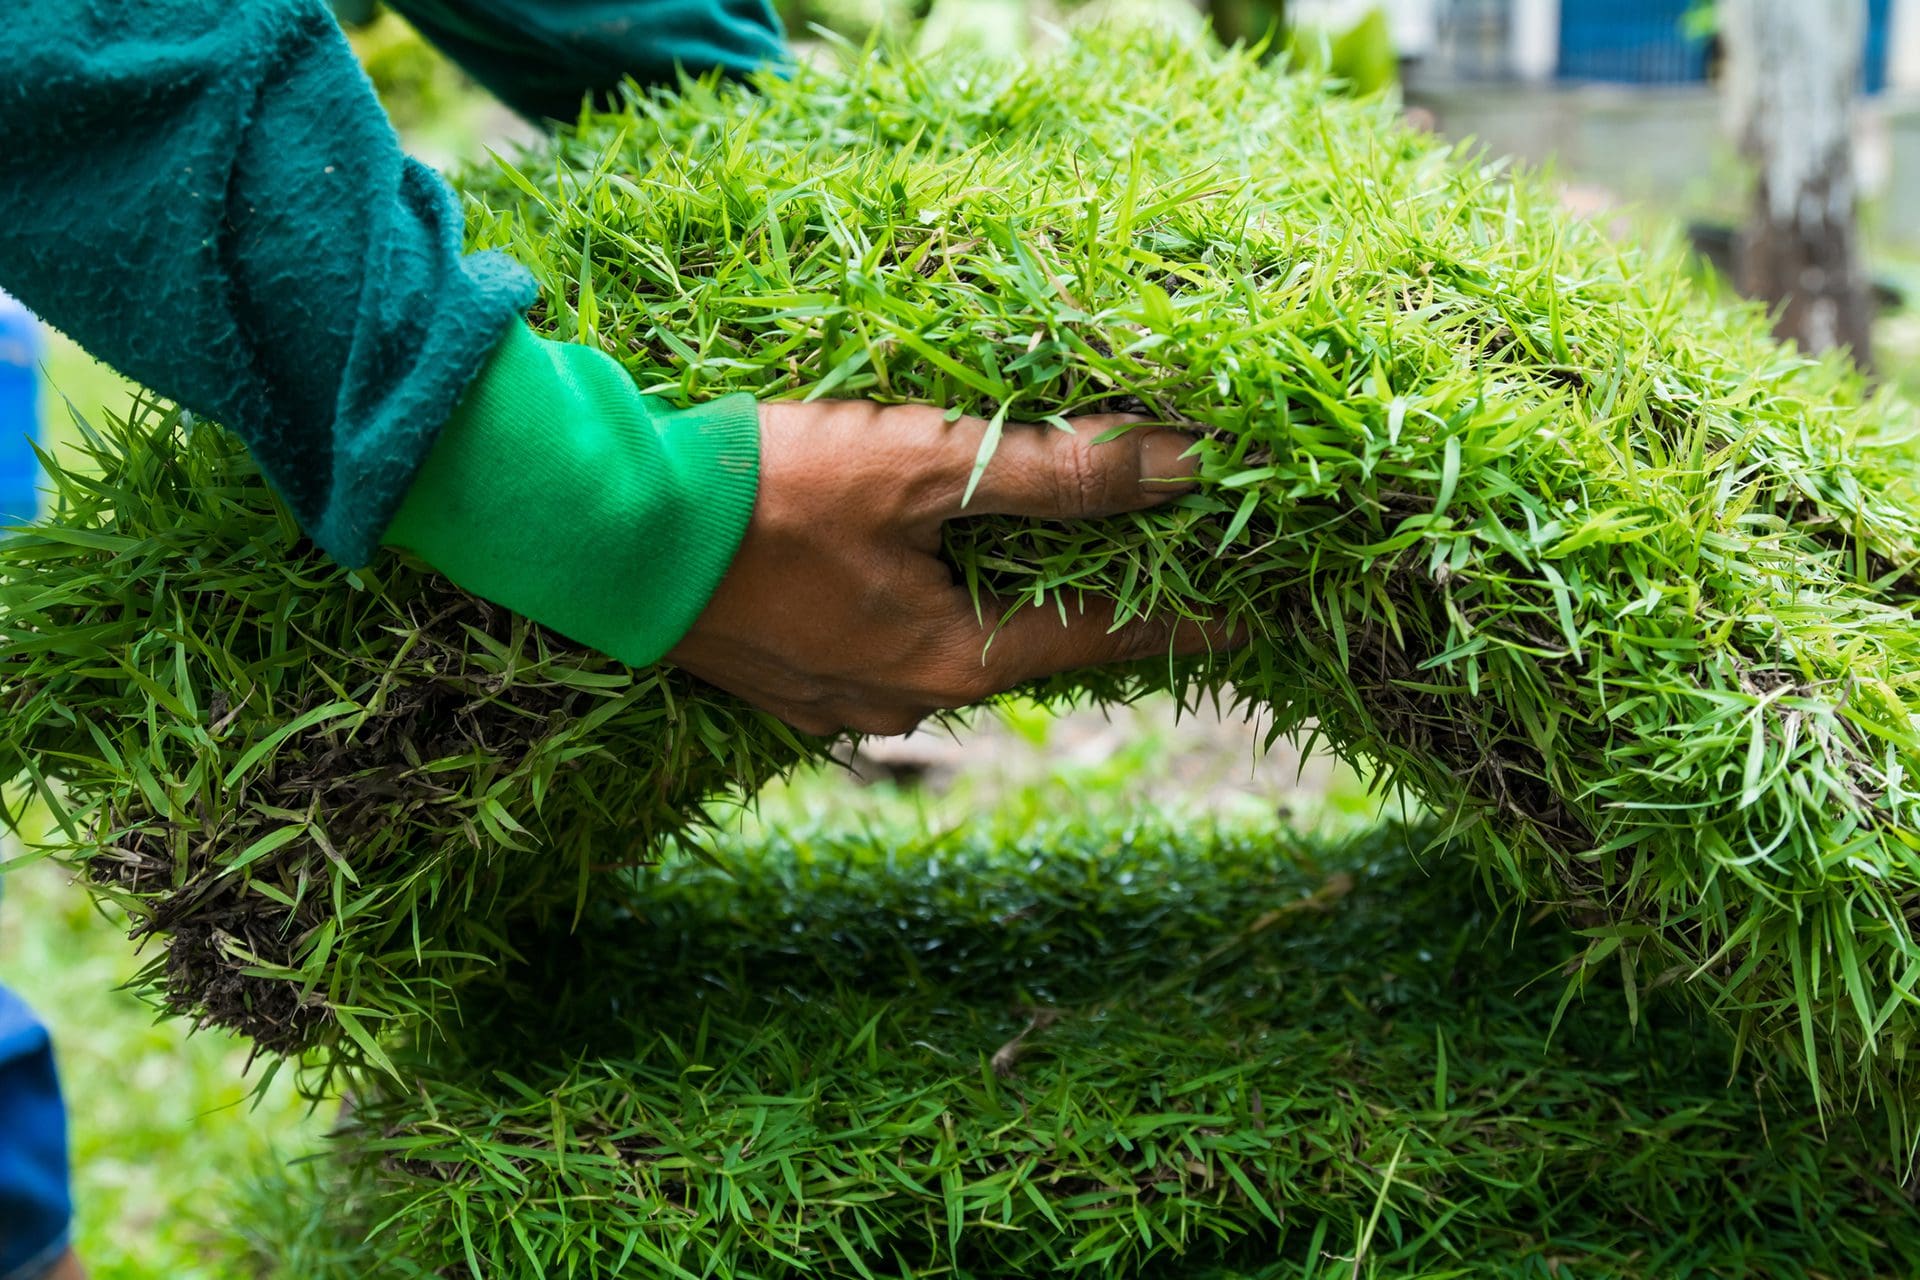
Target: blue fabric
x=19, y=413
x=35, y=1203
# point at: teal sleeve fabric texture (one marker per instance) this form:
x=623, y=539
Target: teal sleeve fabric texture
x=207, y=196
x=561, y=492
x=541, y=57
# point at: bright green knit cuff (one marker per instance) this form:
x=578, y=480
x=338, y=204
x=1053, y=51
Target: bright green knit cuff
x=559, y=491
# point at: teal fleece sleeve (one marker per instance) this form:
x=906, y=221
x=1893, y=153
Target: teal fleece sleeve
x=541, y=57
x=561, y=492
x=207, y=196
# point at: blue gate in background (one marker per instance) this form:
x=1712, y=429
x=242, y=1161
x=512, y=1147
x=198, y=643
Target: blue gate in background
x=1630, y=42
x=1646, y=42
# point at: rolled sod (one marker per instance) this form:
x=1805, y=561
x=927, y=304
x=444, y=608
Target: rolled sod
x=1519, y=516
x=1106, y=1052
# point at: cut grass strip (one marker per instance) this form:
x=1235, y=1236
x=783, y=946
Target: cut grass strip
x=1590, y=566
x=1091, y=1053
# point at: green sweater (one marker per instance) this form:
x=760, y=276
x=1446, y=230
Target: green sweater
x=207, y=196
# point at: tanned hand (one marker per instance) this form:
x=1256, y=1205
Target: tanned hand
x=838, y=612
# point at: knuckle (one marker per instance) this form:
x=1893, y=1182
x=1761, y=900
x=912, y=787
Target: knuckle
x=1081, y=483
x=1144, y=639
x=920, y=419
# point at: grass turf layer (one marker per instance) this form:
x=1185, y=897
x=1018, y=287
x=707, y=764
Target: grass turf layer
x=1112, y=1053
x=341, y=782
x=1611, y=581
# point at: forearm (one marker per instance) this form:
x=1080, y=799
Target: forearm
x=208, y=197
x=561, y=492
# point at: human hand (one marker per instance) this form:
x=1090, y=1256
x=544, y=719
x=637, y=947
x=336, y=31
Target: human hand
x=838, y=612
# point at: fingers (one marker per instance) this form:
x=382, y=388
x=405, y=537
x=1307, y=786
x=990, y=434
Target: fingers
x=969, y=663
x=1035, y=643
x=863, y=714
x=872, y=719
x=1046, y=473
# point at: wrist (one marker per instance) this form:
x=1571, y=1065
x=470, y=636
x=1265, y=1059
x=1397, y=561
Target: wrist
x=559, y=491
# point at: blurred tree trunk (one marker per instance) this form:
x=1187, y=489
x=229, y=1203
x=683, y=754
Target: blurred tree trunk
x=1792, y=76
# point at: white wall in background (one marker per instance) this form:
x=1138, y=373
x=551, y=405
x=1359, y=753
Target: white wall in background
x=1535, y=39
x=1414, y=23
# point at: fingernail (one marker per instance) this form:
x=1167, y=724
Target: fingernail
x=1161, y=465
